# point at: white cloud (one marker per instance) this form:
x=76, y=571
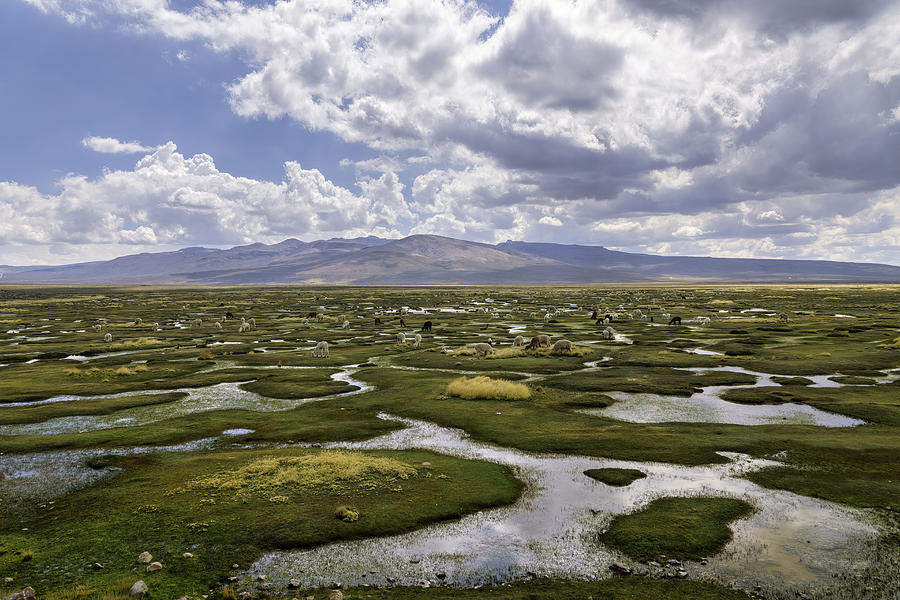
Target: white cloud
x=110, y=145
x=171, y=199
x=694, y=127
x=551, y=221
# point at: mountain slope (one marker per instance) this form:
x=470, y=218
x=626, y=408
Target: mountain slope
x=430, y=259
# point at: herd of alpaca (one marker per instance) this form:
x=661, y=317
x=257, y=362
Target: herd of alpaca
x=480, y=349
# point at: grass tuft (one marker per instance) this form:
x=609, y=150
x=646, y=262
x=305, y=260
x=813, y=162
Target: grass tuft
x=486, y=388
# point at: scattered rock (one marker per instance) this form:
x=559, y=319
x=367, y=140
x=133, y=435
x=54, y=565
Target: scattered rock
x=145, y=558
x=673, y=562
x=28, y=593
x=682, y=573
x=138, y=589
x=233, y=579
x=187, y=555
x=336, y=595
x=154, y=566
x=97, y=566
x=294, y=584
x=620, y=568
x=245, y=595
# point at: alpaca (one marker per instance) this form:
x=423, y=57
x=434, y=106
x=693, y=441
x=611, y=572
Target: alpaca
x=321, y=350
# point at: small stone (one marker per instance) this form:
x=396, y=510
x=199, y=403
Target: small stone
x=187, y=555
x=8, y=580
x=261, y=578
x=233, y=579
x=138, y=589
x=293, y=584
x=310, y=598
x=245, y=595
x=154, y=566
x=97, y=566
x=620, y=568
x=704, y=562
x=235, y=566
x=336, y=595
x=145, y=558
x=28, y=593
x=682, y=573
x=673, y=562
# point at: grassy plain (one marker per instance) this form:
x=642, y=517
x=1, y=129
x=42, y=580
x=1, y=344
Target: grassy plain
x=152, y=374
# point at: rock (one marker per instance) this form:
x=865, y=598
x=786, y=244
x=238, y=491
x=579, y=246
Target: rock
x=682, y=573
x=154, y=566
x=97, y=566
x=653, y=563
x=620, y=568
x=138, y=589
x=441, y=576
x=145, y=558
x=28, y=593
x=294, y=584
x=261, y=578
x=673, y=562
x=310, y=598
x=8, y=580
x=336, y=595
x=16, y=596
x=235, y=566
x=704, y=562
x=233, y=579
x=187, y=555
x=245, y=595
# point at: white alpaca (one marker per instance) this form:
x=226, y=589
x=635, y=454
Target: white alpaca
x=609, y=333
x=156, y=327
x=346, y=324
x=418, y=341
x=783, y=317
x=218, y=325
x=321, y=350
x=304, y=322
x=138, y=321
x=244, y=327
x=401, y=338
x=703, y=321
x=97, y=327
x=637, y=314
x=483, y=349
x=562, y=346
x=252, y=322
x=197, y=322
x=547, y=318
x=320, y=317
x=519, y=341
x=107, y=337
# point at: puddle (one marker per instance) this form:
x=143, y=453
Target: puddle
x=702, y=352
x=551, y=531
x=707, y=406
x=29, y=478
x=222, y=396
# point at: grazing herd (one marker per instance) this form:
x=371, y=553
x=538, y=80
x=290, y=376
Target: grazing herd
x=486, y=349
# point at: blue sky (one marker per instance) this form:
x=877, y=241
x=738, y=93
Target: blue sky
x=644, y=125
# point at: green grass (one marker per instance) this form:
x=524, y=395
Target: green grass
x=220, y=507
x=615, y=477
x=682, y=528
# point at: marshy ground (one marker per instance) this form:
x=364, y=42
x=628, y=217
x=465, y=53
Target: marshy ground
x=750, y=456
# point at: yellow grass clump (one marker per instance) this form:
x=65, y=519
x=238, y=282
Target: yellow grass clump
x=329, y=470
x=486, y=388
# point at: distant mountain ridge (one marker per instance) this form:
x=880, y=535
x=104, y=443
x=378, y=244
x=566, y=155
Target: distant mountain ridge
x=431, y=259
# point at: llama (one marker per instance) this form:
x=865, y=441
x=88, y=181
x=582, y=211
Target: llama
x=107, y=338
x=482, y=349
x=562, y=346
x=197, y=322
x=346, y=324
x=244, y=327
x=321, y=350
x=218, y=325
x=675, y=321
x=426, y=326
x=418, y=341
x=252, y=321
x=401, y=338
x=377, y=321
x=609, y=333
x=519, y=341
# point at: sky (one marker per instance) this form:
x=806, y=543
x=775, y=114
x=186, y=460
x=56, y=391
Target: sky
x=764, y=129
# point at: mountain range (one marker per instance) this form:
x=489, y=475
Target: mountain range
x=431, y=259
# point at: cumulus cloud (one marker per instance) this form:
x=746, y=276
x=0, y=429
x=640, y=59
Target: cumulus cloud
x=169, y=198
x=689, y=126
x=110, y=145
